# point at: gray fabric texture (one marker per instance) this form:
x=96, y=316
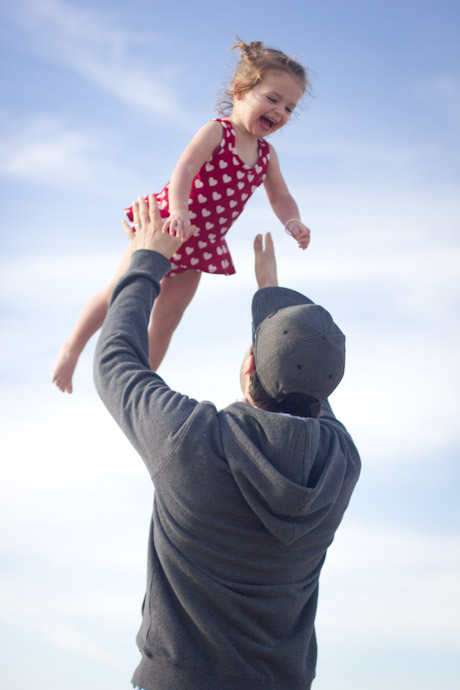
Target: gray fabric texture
x=246, y=503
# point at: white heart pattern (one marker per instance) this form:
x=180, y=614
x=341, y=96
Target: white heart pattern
x=217, y=197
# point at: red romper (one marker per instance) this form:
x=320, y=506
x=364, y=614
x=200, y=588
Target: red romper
x=219, y=193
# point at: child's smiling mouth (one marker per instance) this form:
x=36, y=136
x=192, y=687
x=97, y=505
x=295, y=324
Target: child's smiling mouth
x=267, y=123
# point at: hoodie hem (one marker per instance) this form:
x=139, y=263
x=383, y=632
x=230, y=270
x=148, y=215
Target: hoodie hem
x=158, y=674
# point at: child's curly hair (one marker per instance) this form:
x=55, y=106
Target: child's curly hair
x=255, y=61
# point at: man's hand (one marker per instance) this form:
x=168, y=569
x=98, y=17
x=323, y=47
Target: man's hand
x=265, y=262
x=147, y=232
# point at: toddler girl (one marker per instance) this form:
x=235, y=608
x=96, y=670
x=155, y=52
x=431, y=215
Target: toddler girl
x=225, y=162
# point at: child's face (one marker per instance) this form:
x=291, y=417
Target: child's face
x=268, y=105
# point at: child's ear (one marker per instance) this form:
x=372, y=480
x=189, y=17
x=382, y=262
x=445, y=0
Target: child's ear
x=237, y=93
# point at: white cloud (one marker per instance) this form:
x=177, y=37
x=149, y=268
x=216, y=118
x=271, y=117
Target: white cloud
x=395, y=585
x=89, y=43
x=44, y=149
x=68, y=636
x=51, y=611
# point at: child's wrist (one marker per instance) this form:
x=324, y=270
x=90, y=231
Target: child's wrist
x=291, y=220
x=178, y=210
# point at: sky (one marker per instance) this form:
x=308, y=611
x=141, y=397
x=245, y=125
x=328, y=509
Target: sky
x=98, y=101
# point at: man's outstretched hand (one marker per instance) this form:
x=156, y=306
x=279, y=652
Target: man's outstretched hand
x=147, y=231
x=265, y=262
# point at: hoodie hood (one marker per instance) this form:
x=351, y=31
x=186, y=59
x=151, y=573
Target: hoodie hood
x=290, y=470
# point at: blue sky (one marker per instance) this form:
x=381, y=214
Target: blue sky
x=98, y=101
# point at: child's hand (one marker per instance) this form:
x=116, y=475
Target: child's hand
x=147, y=232
x=299, y=232
x=179, y=225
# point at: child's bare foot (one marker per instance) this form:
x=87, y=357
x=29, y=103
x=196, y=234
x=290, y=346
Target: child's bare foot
x=64, y=368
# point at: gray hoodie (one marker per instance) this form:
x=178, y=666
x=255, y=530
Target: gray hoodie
x=246, y=504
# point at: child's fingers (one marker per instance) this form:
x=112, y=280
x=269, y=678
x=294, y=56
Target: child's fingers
x=303, y=242
x=187, y=232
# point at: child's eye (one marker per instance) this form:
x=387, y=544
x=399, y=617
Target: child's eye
x=273, y=100
x=289, y=110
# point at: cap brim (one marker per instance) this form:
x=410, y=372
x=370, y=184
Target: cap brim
x=271, y=299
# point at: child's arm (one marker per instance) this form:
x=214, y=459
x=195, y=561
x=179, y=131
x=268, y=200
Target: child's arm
x=283, y=204
x=192, y=159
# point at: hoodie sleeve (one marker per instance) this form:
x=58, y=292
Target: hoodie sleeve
x=151, y=415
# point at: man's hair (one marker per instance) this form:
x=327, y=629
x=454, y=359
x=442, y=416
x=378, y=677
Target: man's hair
x=297, y=404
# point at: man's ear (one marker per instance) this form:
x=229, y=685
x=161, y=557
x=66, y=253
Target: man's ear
x=250, y=366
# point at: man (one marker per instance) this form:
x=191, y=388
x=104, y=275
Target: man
x=247, y=500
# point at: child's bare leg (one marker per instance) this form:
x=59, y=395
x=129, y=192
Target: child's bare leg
x=175, y=296
x=88, y=322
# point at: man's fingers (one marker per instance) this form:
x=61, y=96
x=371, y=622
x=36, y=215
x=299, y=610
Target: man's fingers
x=135, y=208
x=269, y=243
x=143, y=211
x=128, y=229
x=265, y=263
x=259, y=244
x=154, y=211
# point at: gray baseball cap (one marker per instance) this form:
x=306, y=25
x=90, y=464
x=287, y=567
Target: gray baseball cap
x=297, y=346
